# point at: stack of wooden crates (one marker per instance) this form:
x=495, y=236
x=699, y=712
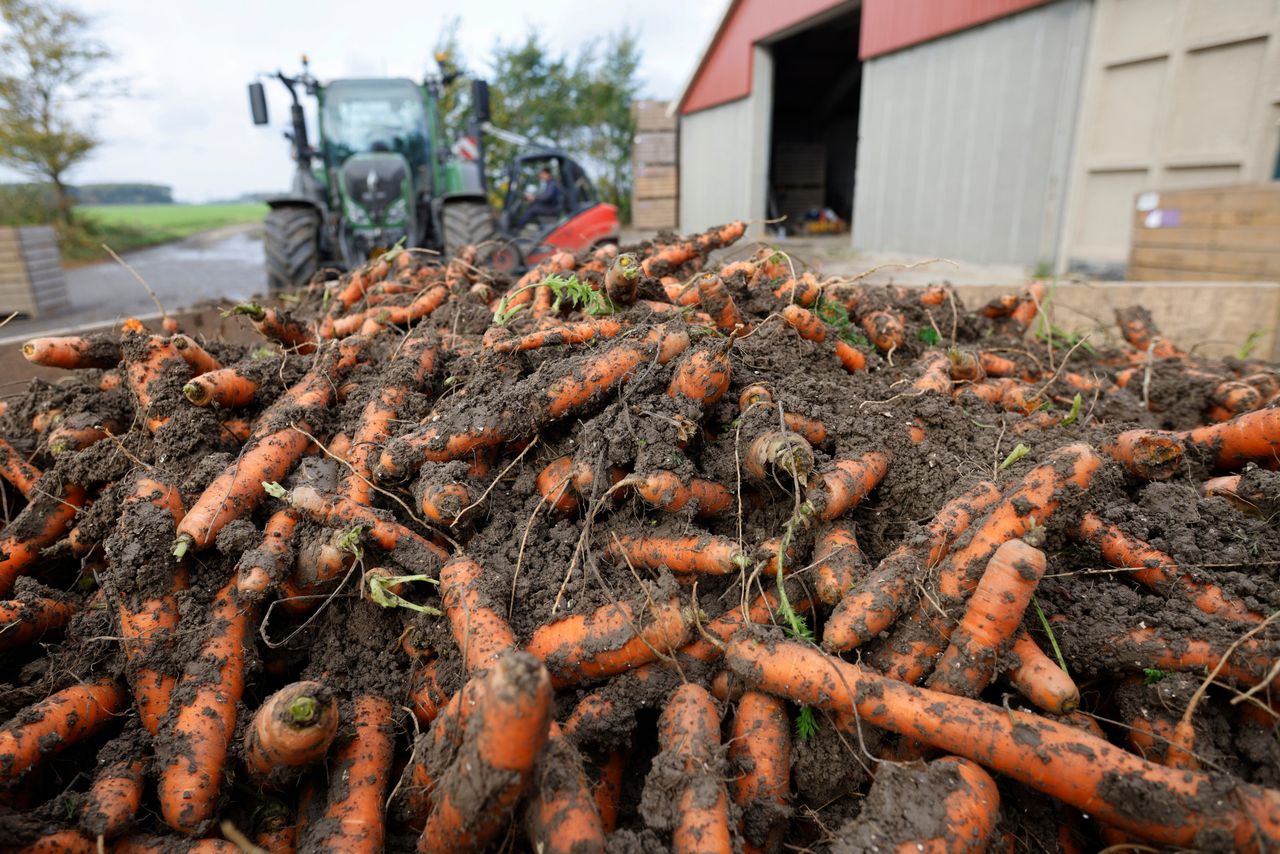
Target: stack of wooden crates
x=655, y=194
x=1217, y=234
x=31, y=280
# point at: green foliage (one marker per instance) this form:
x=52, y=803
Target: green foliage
x=47, y=63
x=579, y=102
x=1019, y=451
x=381, y=594
x=806, y=724
x=1250, y=344
x=1074, y=412
x=592, y=302
x=838, y=316
x=929, y=335
x=1152, y=675
x=1053, y=639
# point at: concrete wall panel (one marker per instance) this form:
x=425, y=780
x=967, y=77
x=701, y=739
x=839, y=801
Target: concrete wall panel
x=964, y=141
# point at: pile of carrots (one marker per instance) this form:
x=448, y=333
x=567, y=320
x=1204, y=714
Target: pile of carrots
x=634, y=553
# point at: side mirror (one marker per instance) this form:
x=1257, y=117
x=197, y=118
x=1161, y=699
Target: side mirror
x=258, y=103
x=480, y=101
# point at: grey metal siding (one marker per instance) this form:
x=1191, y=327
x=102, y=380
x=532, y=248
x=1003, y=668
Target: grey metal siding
x=965, y=142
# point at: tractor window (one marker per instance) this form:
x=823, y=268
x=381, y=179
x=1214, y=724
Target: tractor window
x=361, y=116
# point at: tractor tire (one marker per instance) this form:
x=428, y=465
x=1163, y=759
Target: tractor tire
x=465, y=224
x=291, y=238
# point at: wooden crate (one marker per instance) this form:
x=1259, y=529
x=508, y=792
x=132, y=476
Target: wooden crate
x=653, y=214
x=1224, y=233
x=656, y=182
x=31, y=280
x=654, y=149
x=652, y=116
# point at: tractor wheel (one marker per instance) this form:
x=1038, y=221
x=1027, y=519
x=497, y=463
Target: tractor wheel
x=467, y=224
x=292, y=244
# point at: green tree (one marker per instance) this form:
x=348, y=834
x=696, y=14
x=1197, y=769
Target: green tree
x=48, y=62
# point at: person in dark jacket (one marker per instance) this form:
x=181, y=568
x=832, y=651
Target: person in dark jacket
x=548, y=201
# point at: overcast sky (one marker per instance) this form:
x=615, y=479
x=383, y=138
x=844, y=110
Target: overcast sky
x=187, y=122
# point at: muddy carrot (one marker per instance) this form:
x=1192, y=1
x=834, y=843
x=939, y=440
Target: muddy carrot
x=73, y=352
x=992, y=616
x=763, y=611
x=1050, y=757
x=79, y=432
x=622, y=279
x=1141, y=333
x=336, y=511
x=30, y=618
x=111, y=805
x=702, y=553
x=62, y=720
x=702, y=375
x=1154, y=569
x=838, y=563
x=1145, y=647
x=607, y=791
x=506, y=732
x=779, y=454
x=936, y=375
x=884, y=329
x=265, y=566
x=426, y=696
x=45, y=418
x=13, y=468
x=444, y=502
x=561, y=816
x=226, y=387
x=995, y=365
x=761, y=750
x=291, y=729
x=194, y=355
x=803, y=290
x=564, y=333
x=1147, y=454
x=851, y=357
x=479, y=630
x=554, y=484
x=872, y=608
x=276, y=831
x=1252, y=437
x=601, y=372
x=668, y=492
x=613, y=639
x=354, y=820
x=40, y=524
x=842, y=484
x=280, y=326
x=689, y=731
x=193, y=743
x=719, y=303
x=1038, y=678
x=57, y=842
x=805, y=322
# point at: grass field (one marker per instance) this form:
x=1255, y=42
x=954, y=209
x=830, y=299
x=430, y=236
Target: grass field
x=126, y=227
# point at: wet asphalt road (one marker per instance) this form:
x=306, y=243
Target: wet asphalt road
x=222, y=267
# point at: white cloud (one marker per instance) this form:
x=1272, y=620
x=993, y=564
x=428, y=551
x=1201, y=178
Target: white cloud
x=187, y=122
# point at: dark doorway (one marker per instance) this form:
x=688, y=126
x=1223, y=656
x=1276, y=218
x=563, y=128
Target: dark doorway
x=817, y=84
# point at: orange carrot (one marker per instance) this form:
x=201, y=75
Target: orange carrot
x=885, y=331
x=995, y=365
x=607, y=792
x=505, y=734
x=40, y=524
x=1053, y=758
x=293, y=728
x=16, y=470
x=554, y=484
x=689, y=731
x=1251, y=437
x=1039, y=679
x=111, y=805
x=805, y=322
x=992, y=616
x=611, y=640
x=761, y=750
x=45, y=418
x=336, y=511
x=194, y=355
x=874, y=606
x=622, y=279
x=849, y=356
x=27, y=619
x=778, y=452
x=354, y=820
x=280, y=326
x=426, y=696
x=601, y=372
x=842, y=484
x=73, y=352
x=804, y=289
x=79, y=431
x=561, y=817
x=701, y=376
x=702, y=553
x=226, y=387
x=936, y=375
x=480, y=631
x=276, y=832
x=267, y=566
x=193, y=743
x=1154, y=569
x=1140, y=331
x=1145, y=647
x=1147, y=454
x=444, y=502
x=58, y=842
x=718, y=302
x=62, y=720
x=668, y=492
x=838, y=563
x=565, y=333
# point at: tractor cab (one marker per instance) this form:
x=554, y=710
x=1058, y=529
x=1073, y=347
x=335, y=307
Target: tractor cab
x=580, y=220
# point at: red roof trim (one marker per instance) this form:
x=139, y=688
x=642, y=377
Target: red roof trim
x=889, y=25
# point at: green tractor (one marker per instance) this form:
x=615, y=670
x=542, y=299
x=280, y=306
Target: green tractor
x=384, y=173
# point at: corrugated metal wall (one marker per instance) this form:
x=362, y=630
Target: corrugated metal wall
x=965, y=142
x=724, y=155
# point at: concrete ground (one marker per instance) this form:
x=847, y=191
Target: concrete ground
x=222, y=266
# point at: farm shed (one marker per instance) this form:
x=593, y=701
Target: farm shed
x=992, y=131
